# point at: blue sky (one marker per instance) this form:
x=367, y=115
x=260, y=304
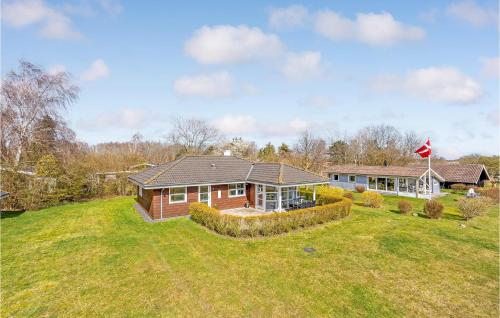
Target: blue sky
x=266, y=71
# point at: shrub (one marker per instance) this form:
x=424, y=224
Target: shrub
x=372, y=199
x=433, y=209
x=472, y=207
x=326, y=194
x=267, y=224
x=404, y=206
x=492, y=193
x=349, y=195
x=459, y=187
x=360, y=188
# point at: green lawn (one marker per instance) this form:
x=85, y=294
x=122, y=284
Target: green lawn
x=100, y=259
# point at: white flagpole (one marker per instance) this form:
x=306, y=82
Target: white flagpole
x=430, y=180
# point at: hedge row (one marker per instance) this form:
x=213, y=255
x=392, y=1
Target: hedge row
x=267, y=224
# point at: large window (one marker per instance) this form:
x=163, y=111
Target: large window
x=288, y=196
x=177, y=195
x=271, y=198
x=372, y=183
x=381, y=184
x=412, y=185
x=390, y=184
x=352, y=179
x=204, y=194
x=236, y=190
x=403, y=185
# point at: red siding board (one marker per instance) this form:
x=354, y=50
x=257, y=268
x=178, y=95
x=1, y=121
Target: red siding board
x=151, y=200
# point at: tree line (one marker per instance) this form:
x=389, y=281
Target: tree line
x=43, y=163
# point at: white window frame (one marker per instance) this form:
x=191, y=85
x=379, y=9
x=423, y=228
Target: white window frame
x=170, y=195
x=349, y=178
x=335, y=177
x=140, y=191
x=236, y=189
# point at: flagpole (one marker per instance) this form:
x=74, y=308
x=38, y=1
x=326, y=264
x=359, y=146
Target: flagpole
x=430, y=180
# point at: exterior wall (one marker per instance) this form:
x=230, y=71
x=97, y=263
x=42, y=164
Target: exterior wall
x=146, y=201
x=225, y=202
x=343, y=178
x=151, y=200
x=363, y=180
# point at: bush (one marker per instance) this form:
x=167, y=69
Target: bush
x=404, y=206
x=372, y=199
x=459, y=187
x=360, y=188
x=492, y=193
x=433, y=209
x=349, y=195
x=472, y=207
x=267, y=224
x=326, y=194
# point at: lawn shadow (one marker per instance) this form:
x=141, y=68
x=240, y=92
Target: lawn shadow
x=453, y=217
x=10, y=214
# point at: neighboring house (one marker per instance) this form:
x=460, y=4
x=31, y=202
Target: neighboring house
x=49, y=182
x=4, y=195
x=224, y=182
x=469, y=174
x=404, y=181
x=112, y=175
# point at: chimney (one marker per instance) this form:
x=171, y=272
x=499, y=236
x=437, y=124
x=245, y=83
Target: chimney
x=227, y=153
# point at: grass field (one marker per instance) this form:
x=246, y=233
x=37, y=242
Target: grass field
x=100, y=259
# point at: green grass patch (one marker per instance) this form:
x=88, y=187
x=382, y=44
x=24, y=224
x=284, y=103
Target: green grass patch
x=100, y=258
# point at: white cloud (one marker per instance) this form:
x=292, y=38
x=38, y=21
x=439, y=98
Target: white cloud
x=473, y=14
x=249, y=125
x=214, y=85
x=226, y=44
x=289, y=17
x=438, y=84
x=321, y=102
x=370, y=28
x=53, y=23
x=490, y=66
x=125, y=118
x=303, y=66
x=236, y=124
x=98, y=69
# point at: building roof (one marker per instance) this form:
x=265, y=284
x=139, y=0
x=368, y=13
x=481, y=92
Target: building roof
x=193, y=170
x=396, y=171
x=280, y=173
x=3, y=194
x=462, y=173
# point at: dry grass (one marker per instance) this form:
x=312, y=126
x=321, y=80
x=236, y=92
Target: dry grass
x=100, y=259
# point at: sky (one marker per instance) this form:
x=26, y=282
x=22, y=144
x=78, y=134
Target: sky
x=267, y=71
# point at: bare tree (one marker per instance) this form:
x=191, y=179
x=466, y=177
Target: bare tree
x=193, y=135
x=26, y=97
x=311, y=152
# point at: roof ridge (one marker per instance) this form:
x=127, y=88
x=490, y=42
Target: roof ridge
x=249, y=171
x=165, y=170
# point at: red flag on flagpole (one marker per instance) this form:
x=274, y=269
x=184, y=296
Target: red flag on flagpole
x=425, y=151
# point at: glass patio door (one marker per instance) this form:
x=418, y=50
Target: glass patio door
x=259, y=196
